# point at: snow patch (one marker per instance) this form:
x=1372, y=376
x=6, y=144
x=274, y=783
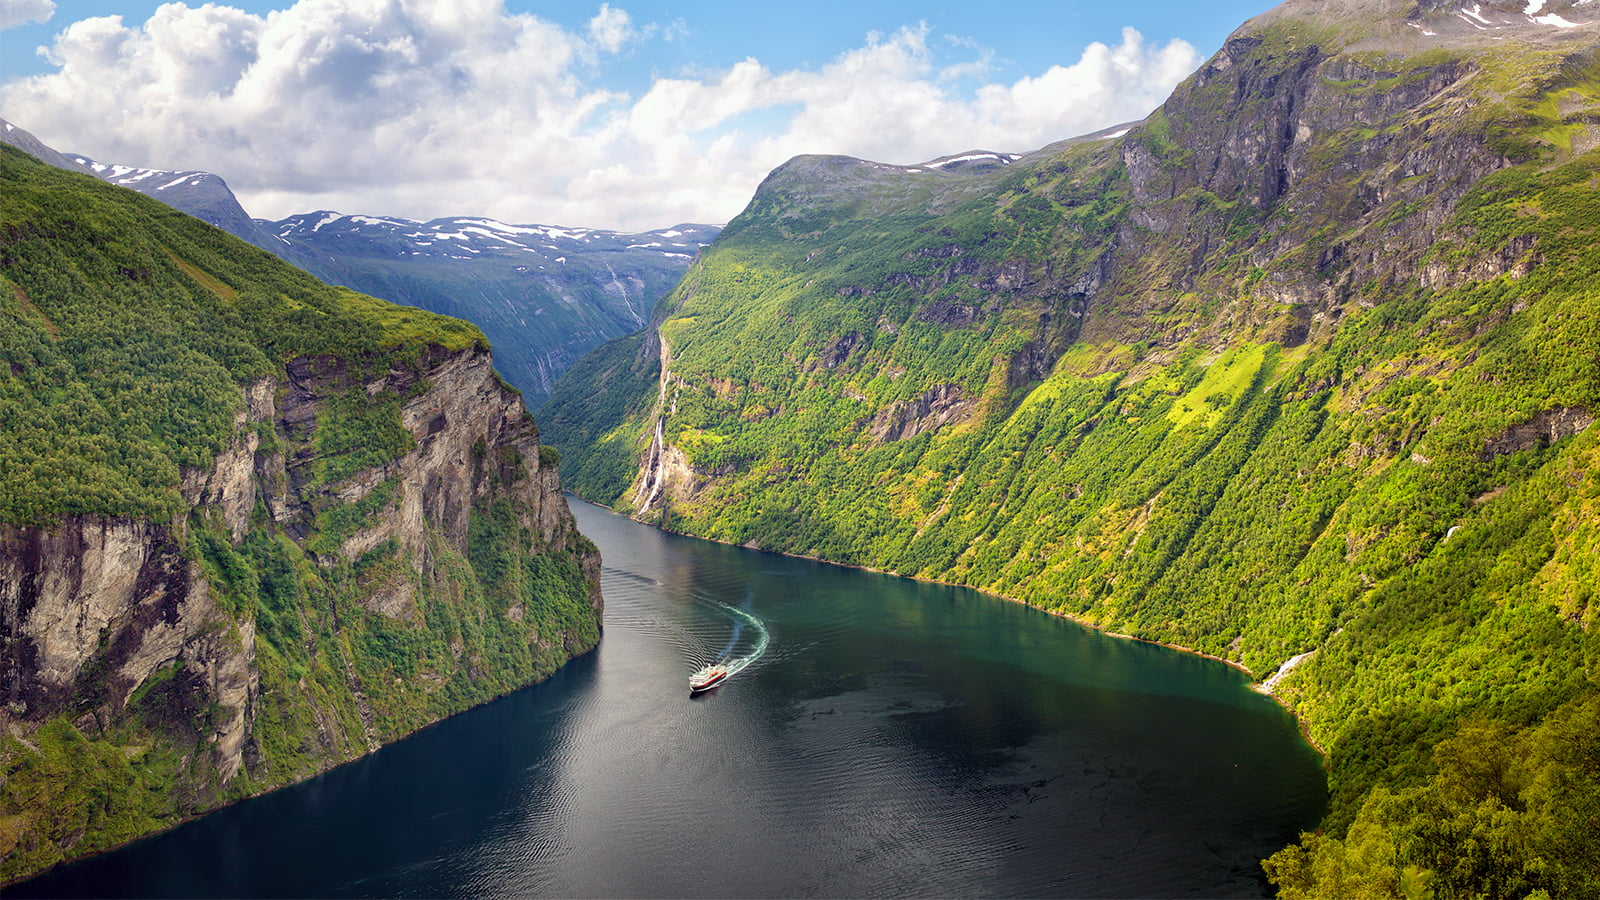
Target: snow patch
x=1476, y=13
x=326, y=218
x=1116, y=134
x=129, y=174
x=498, y=227
x=391, y=223
x=1533, y=7
x=997, y=157
x=1557, y=21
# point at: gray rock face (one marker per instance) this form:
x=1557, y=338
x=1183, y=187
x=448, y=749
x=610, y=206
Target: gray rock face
x=91, y=609
x=940, y=405
x=1544, y=429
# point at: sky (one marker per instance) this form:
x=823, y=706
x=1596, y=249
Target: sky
x=604, y=115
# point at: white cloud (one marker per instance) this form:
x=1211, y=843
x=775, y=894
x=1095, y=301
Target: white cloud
x=21, y=12
x=427, y=109
x=611, y=29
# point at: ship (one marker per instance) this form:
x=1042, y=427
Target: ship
x=708, y=678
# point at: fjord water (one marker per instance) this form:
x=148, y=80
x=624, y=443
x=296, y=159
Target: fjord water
x=893, y=738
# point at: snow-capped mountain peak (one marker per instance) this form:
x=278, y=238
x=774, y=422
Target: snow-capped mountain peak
x=463, y=237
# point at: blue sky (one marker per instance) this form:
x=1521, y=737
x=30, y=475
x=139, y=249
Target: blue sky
x=600, y=114
x=1026, y=37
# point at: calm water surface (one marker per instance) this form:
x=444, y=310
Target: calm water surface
x=887, y=738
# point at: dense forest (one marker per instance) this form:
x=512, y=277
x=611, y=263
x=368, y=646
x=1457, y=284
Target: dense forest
x=1304, y=365
x=230, y=558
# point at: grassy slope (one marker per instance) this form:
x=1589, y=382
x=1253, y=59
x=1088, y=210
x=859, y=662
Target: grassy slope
x=1183, y=476
x=128, y=329
x=126, y=333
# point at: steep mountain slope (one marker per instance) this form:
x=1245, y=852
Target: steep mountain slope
x=28, y=143
x=202, y=195
x=544, y=295
x=251, y=526
x=1302, y=367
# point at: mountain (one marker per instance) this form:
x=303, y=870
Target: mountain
x=251, y=526
x=544, y=295
x=200, y=194
x=24, y=140
x=1299, y=372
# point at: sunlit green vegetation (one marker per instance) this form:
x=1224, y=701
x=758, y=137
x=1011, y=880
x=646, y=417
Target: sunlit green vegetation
x=1204, y=464
x=128, y=335
x=126, y=331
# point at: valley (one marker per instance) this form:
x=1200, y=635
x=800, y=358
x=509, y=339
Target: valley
x=1298, y=373
x=1302, y=365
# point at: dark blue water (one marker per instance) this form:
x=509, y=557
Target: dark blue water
x=893, y=738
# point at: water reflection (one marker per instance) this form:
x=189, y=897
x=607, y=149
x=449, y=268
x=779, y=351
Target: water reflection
x=895, y=739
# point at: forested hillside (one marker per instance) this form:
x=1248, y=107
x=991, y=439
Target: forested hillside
x=543, y=294
x=1303, y=366
x=251, y=526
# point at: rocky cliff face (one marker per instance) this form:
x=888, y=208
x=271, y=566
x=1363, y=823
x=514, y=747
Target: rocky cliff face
x=251, y=526
x=93, y=609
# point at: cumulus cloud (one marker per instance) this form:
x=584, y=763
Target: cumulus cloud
x=611, y=29
x=21, y=12
x=449, y=107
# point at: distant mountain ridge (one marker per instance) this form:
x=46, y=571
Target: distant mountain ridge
x=203, y=195
x=24, y=140
x=543, y=294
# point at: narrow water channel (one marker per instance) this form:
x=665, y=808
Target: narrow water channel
x=879, y=737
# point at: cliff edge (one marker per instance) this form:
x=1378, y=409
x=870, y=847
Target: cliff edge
x=253, y=526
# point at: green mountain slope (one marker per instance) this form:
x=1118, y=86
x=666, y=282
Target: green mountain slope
x=251, y=526
x=1303, y=366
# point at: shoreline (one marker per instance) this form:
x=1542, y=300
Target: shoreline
x=1257, y=686
x=275, y=788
